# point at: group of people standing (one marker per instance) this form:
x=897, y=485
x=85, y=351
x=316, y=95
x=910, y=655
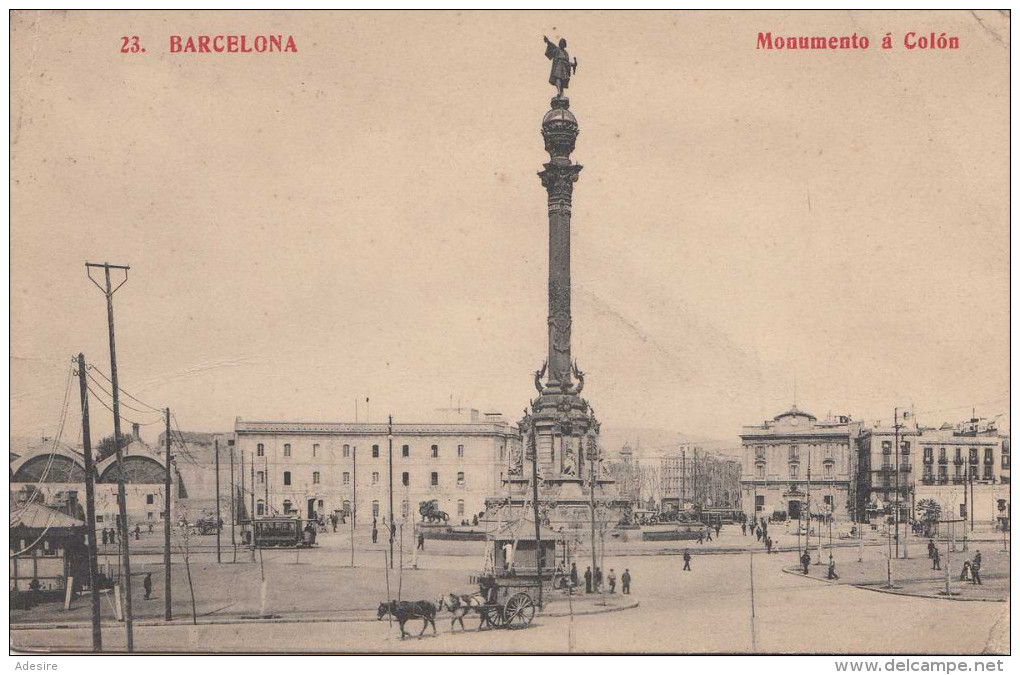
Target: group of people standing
x=593, y=581
x=971, y=568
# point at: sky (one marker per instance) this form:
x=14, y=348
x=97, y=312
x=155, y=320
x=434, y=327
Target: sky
x=363, y=219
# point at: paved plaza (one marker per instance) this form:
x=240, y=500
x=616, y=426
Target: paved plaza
x=331, y=607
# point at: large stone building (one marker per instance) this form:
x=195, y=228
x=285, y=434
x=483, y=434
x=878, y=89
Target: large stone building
x=318, y=468
x=941, y=464
x=795, y=463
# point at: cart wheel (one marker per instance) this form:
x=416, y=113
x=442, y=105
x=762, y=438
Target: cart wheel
x=518, y=611
x=492, y=617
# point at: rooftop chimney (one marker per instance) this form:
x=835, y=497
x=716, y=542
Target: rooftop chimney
x=136, y=430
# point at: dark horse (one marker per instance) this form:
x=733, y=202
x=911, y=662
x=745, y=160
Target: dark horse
x=405, y=610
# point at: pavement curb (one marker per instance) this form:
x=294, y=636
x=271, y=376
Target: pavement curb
x=890, y=591
x=152, y=623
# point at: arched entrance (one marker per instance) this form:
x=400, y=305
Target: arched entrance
x=793, y=509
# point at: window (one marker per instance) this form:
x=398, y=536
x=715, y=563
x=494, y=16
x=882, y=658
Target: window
x=286, y=477
x=435, y=451
x=958, y=456
x=943, y=473
x=149, y=515
x=828, y=451
x=320, y=503
x=958, y=471
x=963, y=510
x=347, y=477
x=759, y=453
x=375, y=508
x=434, y=479
x=942, y=455
x=405, y=479
x=973, y=456
x=927, y=471
x=405, y=451
x=828, y=470
x=794, y=471
x=828, y=502
x=502, y=452
x=905, y=447
x=989, y=459
x=347, y=450
x=988, y=472
x=375, y=450
x=794, y=453
x=286, y=449
x=759, y=502
x=315, y=449
x=886, y=447
x=405, y=509
x=260, y=508
x=260, y=450
x=760, y=471
x=928, y=455
x=286, y=506
x=460, y=507
x=460, y=478
x=149, y=499
x=99, y=519
x=315, y=478
x=1005, y=457
x=460, y=450
x=260, y=477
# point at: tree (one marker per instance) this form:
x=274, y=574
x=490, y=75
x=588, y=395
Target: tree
x=107, y=446
x=928, y=513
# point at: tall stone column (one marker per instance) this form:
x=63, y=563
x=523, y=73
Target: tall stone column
x=560, y=130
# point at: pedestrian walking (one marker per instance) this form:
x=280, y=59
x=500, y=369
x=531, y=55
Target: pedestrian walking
x=106, y=536
x=138, y=532
x=421, y=541
x=757, y=533
x=832, y=570
x=718, y=529
x=687, y=561
x=935, y=560
x=626, y=581
x=975, y=569
x=573, y=575
x=931, y=547
x=375, y=534
x=150, y=528
x=147, y=585
x=768, y=545
x=612, y=580
x=587, y=579
x=708, y=532
x=701, y=536
x=805, y=561
x=743, y=529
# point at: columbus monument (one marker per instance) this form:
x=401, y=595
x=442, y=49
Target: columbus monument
x=559, y=431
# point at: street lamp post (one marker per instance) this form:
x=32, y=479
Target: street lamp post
x=389, y=438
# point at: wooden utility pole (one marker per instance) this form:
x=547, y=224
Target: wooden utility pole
x=233, y=504
x=389, y=438
x=108, y=291
x=167, y=612
x=216, y=448
x=896, y=501
x=90, y=508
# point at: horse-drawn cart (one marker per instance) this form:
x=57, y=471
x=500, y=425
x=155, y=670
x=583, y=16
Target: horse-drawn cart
x=510, y=601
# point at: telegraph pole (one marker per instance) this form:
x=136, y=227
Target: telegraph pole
x=896, y=452
x=90, y=508
x=121, y=497
x=216, y=447
x=233, y=503
x=389, y=438
x=167, y=612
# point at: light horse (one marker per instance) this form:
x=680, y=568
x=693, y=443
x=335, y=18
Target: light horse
x=404, y=611
x=461, y=605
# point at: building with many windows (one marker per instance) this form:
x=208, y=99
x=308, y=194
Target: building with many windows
x=319, y=468
x=690, y=475
x=795, y=463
